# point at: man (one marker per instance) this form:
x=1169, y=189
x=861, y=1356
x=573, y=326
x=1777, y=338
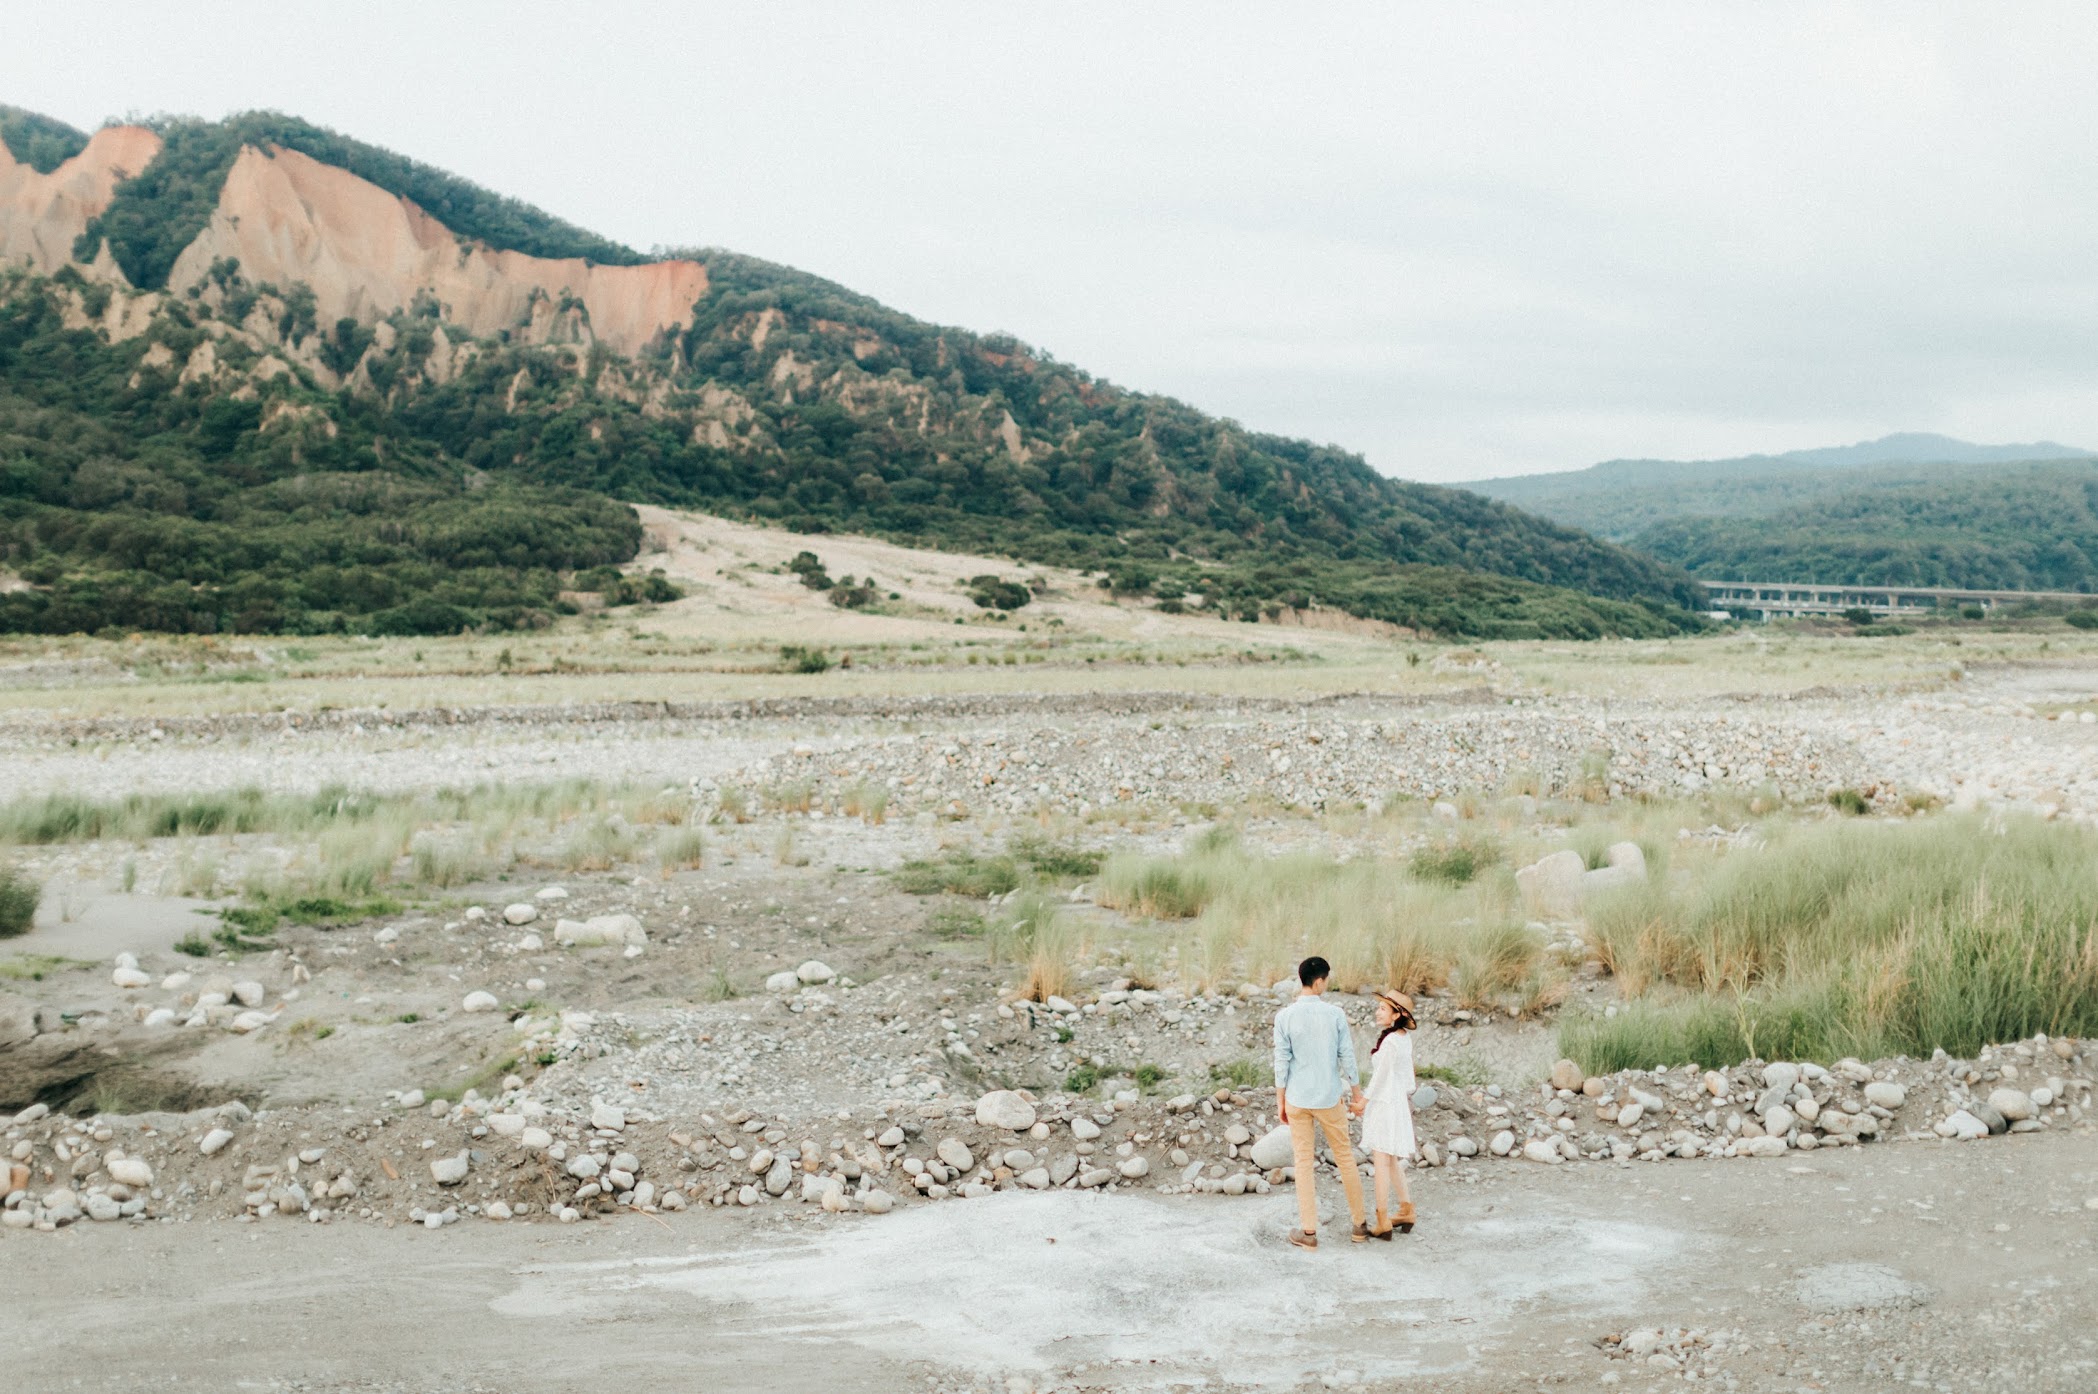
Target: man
x=1314, y=1068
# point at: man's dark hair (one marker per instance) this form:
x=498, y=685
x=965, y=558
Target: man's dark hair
x=1312, y=969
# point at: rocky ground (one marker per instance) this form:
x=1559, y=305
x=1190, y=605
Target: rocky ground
x=801, y=1059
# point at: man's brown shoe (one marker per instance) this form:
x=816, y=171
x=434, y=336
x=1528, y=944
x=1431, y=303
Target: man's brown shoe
x=1361, y=1234
x=1303, y=1239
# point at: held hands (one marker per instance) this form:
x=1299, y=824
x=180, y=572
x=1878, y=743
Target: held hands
x=1358, y=1104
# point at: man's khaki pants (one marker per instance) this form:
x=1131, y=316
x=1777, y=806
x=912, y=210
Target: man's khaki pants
x=1335, y=1122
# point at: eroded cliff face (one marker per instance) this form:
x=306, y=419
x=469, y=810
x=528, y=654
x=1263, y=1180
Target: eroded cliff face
x=42, y=214
x=366, y=253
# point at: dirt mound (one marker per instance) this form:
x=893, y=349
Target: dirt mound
x=42, y=214
x=288, y=218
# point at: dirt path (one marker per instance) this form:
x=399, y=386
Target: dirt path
x=1935, y=1266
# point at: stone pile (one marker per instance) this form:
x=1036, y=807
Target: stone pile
x=1321, y=762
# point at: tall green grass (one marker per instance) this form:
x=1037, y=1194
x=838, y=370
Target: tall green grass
x=1853, y=938
x=1378, y=922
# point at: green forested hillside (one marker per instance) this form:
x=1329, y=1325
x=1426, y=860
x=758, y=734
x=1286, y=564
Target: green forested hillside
x=2022, y=527
x=38, y=141
x=788, y=398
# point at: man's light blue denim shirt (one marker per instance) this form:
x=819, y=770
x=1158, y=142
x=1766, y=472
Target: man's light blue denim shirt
x=1314, y=1053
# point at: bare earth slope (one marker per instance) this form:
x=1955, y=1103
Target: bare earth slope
x=288, y=218
x=41, y=214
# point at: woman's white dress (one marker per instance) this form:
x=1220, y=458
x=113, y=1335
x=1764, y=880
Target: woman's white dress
x=1387, y=1123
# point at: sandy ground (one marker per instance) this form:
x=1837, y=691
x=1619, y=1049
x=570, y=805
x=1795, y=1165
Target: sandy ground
x=1975, y=1263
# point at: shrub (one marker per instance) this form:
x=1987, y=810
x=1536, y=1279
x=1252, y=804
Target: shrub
x=996, y=593
x=681, y=849
x=18, y=901
x=2082, y=619
x=1455, y=863
x=794, y=658
x=1849, y=801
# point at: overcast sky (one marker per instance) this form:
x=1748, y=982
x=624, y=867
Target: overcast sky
x=1462, y=239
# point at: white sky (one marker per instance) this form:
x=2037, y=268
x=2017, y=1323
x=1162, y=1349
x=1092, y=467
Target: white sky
x=1461, y=239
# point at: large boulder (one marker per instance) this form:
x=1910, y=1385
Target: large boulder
x=1274, y=1150
x=1625, y=865
x=1003, y=1108
x=600, y=931
x=1551, y=886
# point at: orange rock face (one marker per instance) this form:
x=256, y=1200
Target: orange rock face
x=366, y=253
x=41, y=214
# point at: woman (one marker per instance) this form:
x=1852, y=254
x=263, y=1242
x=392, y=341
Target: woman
x=1387, y=1116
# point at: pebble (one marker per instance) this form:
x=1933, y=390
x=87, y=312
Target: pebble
x=1004, y=1108
x=479, y=1002
x=1886, y=1095
x=815, y=972
x=786, y=980
x=1134, y=1167
x=449, y=1171
x=520, y=913
x=1503, y=1143
x=215, y=1141
x=1085, y=1129
x=249, y=994
x=610, y=1117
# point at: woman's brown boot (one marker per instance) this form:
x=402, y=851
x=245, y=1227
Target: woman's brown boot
x=1404, y=1219
x=1383, y=1226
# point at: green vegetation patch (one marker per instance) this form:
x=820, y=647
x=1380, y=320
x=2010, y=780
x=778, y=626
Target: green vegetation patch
x=38, y=141
x=1853, y=938
x=18, y=901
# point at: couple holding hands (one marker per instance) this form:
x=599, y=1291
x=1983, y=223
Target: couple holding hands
x=1316, y=1086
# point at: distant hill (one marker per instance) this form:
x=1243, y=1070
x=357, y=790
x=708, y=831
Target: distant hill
x=1922, y=448
x=2005, y=527
x=255, y=374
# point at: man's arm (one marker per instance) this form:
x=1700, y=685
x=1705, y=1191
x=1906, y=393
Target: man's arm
x=1284, y=1057
x=1350, y=1072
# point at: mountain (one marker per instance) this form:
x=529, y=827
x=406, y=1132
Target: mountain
x=2009, y=527
x=1923, y=448
x=257, y=375
x=1916, y=510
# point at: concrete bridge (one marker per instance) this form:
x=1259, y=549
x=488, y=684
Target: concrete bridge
x=1778, y=599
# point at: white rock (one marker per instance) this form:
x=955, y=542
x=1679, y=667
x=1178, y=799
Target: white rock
x=877, y=1202
x=782, y=981
x=955, y=1153
x=1887, y=1095
x=1779, y=1121
x=894, y=1137
x=1780, y=1075
x=607, y=1116
x=1963, y=1126
x=815, y=971
x=1084, y=1129
x=552, y=893
x=506, y=1124
x=413, y=1098
x=249, y=994
x=1538, y=1149
x=161, y=1016
x=1763, y=1147
x=584, y=1167
x=1061, y=1006
x=1003, y=1108
x=2014, y=1104
x=600, y=931
x=388, y=935
x=497, y=1210
x=249, y=1021
x=175, y=982
x=130, y=978
x=1461, y=1146
x=479, y=1002
x=1551, y=886
x=129, y=1171
x=535, y=1139
x=1274, y=1150
x=1630, y=1114
x=1134, y=1167
x=449, y=1171
x=1502, y=1144
x=520, y=913
x=125, y=960
x=215, y=1141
